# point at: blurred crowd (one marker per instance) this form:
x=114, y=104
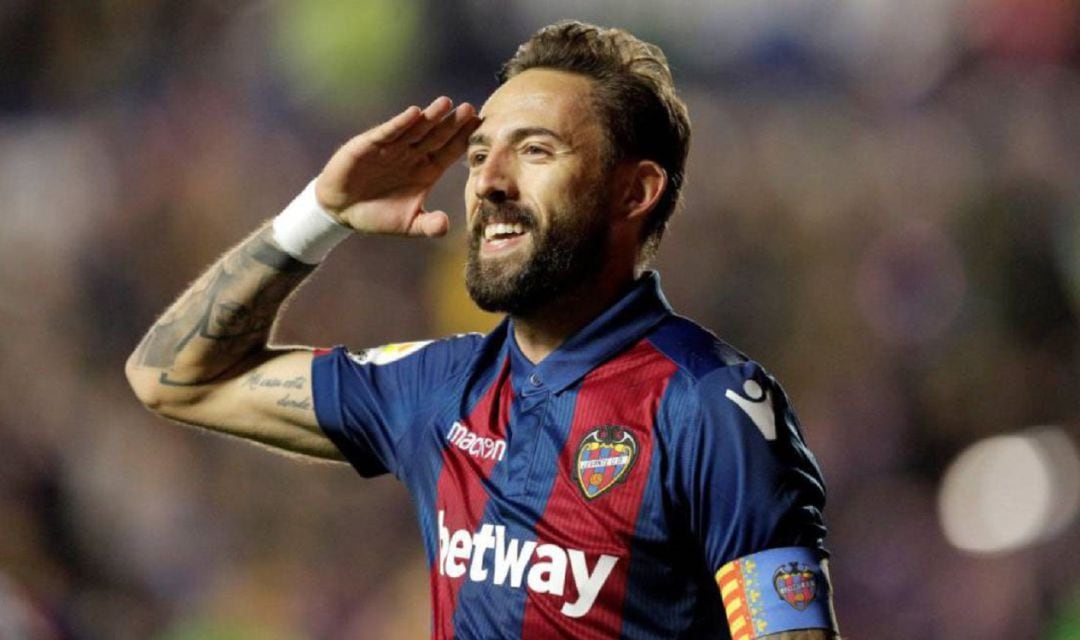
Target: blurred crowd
x=883, y=208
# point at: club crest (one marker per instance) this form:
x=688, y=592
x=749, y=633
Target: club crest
x=796, y=584
x=604, y=458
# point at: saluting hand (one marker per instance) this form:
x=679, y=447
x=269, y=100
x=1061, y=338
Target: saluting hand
x=377, y=182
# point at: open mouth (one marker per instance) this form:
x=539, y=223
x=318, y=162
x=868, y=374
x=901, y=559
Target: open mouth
x=503, y=231
x=503, y=227
x=501, y=237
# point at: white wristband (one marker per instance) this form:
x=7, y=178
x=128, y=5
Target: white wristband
x=305, y=230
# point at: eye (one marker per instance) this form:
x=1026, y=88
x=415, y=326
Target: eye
x=476, y=158
x=535, y=150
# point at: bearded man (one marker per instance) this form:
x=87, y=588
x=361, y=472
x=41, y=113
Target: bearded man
x=597, y=466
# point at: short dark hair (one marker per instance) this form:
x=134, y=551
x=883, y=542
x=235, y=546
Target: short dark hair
x=633, y=91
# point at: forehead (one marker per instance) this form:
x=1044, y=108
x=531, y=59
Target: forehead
x=545, y=98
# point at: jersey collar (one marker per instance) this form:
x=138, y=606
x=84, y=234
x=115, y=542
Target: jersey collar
x=621, y=325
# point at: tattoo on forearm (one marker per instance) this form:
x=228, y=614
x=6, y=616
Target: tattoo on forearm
x=233, y=306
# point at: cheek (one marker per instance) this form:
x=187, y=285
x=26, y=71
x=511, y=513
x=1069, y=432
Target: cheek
x=469, y=186
x=569, y=193
x=553, y=190
x=471, y=201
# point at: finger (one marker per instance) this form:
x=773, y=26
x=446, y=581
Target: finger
x=452, y=150
x=393, y=128
x=444, y=131
x=431, y=224
x=433, y=115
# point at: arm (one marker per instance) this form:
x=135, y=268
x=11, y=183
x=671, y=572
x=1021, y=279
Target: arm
x=208, y=362
x=755, y=498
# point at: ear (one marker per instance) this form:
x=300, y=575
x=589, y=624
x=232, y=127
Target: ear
x=643, y=182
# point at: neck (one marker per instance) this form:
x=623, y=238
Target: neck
x=543, y=331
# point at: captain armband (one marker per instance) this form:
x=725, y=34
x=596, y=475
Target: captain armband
x=776, y=590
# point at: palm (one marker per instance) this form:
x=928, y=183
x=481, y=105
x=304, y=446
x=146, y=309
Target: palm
x=378, y=181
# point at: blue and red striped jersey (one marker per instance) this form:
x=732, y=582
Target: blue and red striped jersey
x=592, y=495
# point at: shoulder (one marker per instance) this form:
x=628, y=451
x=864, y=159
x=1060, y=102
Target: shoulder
x=713, y=374
x=456, y=347
x=697, y=352
x=422, y=361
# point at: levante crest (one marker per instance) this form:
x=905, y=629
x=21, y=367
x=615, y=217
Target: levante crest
x=796, y=584
x=604, y=458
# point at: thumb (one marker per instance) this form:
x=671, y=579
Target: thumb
x=432, y=224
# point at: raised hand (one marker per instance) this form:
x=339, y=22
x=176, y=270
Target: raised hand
x=377, y=182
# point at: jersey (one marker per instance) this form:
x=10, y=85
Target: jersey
x=592, y=495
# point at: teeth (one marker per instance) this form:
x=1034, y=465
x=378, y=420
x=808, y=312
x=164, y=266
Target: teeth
x=502, y=229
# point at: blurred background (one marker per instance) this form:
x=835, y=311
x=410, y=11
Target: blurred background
x=883, y=208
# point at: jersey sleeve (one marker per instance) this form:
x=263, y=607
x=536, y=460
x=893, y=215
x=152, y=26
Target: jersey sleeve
x=367, y=402
x=748, y=480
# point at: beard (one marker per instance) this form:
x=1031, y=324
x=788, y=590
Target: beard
x=568, y=253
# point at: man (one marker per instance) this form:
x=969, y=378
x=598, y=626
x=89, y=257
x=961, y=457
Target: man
x=595, y=467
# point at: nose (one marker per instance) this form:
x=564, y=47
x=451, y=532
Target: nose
x=494, y=180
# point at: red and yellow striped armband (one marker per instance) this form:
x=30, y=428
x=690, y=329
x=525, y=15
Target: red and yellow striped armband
x=776, y=590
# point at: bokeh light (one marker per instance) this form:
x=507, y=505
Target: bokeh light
x=339, y=54
x=1008, y=492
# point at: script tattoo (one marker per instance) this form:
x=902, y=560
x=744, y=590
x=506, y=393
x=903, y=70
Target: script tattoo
x=287, y=400
x=257, y=381
x=228, y=312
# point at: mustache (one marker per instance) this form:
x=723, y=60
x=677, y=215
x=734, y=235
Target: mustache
x=502, y=212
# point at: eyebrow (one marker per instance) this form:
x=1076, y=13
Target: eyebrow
x=517, y=135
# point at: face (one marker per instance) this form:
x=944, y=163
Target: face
x=536, y=193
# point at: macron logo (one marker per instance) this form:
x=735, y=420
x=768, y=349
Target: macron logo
x=489, y=556
x=476, y=446
x=757, y=405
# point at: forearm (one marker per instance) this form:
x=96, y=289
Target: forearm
x=375, y=183
x=220, y=326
